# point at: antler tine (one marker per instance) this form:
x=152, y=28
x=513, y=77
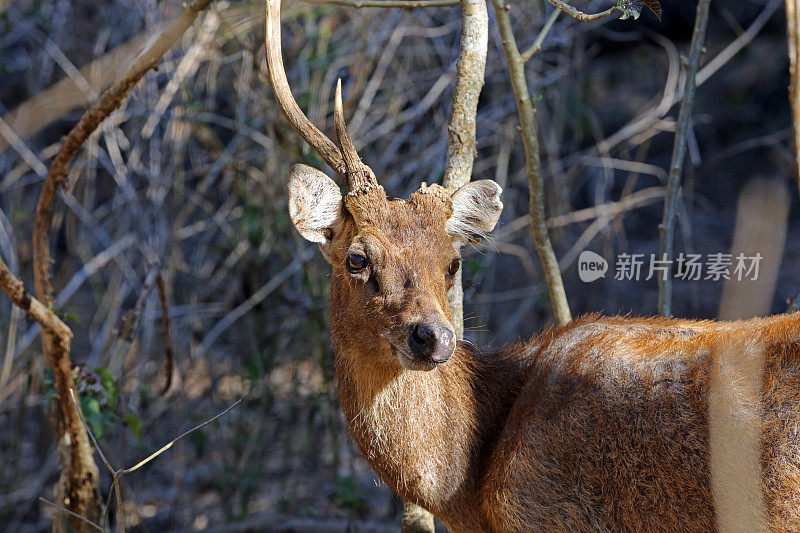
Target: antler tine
x=359, y=175
x=283, y=94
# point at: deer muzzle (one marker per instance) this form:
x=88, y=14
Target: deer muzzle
x=431, y=342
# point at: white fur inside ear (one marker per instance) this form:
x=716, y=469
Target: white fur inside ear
x=476, y=210
x=315, y=203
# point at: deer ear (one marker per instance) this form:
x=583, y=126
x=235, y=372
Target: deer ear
x=476, y=209
x=315, y=203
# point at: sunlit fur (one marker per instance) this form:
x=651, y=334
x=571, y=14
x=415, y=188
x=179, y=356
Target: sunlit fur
x=600, y=425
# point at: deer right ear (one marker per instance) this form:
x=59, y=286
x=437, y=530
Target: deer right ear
x=315, y=203
x=476, y=210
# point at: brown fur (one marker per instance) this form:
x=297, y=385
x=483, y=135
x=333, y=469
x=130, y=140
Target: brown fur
x=600, y=425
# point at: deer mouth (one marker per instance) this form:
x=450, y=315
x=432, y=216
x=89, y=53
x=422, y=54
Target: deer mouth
x=411, y=362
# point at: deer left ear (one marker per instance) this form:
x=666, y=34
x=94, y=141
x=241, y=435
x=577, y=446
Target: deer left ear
x=315, y=203
x=476, y=210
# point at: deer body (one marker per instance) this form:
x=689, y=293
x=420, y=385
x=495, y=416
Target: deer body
x=602, y=425
x=605, y=424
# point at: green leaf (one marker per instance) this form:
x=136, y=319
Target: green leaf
x=348, y=496
x=472, y=267
x=629, y=8
x=92, y=415
x=134, y=423
x=66, y=317
x=108, y=384
x=90, y=406
x=106, y=378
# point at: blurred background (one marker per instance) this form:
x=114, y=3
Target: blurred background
x=187, y=182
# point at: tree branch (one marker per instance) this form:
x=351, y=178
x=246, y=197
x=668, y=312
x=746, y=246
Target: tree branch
x=537, y=44
x=530, y=141
x=667, y=229
x=580, y=15
x=35, y=309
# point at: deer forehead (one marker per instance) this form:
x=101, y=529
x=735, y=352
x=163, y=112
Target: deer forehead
x=402, y=229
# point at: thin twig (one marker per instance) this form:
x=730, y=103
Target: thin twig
x=667, y=230
x=89, y=430
x=64, y=509
x=114, y=473
x=580, y=15
x=111, y=491
x=169, y=444
x=537, y=44
x=646, y=119
x=255, y=298
x=530, y=142
x=118, y=473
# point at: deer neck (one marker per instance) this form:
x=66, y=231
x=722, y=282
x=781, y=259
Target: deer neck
x=424, y=433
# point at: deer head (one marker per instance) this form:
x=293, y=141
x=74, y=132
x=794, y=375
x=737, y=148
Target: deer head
x=393, y=261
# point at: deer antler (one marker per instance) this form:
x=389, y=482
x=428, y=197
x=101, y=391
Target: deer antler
x=359, y=175
x=283, y=94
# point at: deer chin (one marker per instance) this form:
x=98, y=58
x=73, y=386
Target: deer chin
x=410, y=362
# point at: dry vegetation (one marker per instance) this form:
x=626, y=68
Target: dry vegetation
x=186, y=183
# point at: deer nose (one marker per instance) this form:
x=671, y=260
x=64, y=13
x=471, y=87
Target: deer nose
x=432, y=341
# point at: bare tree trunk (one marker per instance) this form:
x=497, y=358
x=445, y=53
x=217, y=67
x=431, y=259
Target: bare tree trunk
x=530, y=141
x=461, y=127
x=667, y=230
x=793, y=34
x=416, y=519
x=458, y=170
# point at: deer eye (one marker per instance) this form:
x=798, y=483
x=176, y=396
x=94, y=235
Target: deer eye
x=453, y=268
x=355, y=263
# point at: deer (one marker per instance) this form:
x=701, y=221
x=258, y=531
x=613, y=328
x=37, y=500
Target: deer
x=603, y=424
